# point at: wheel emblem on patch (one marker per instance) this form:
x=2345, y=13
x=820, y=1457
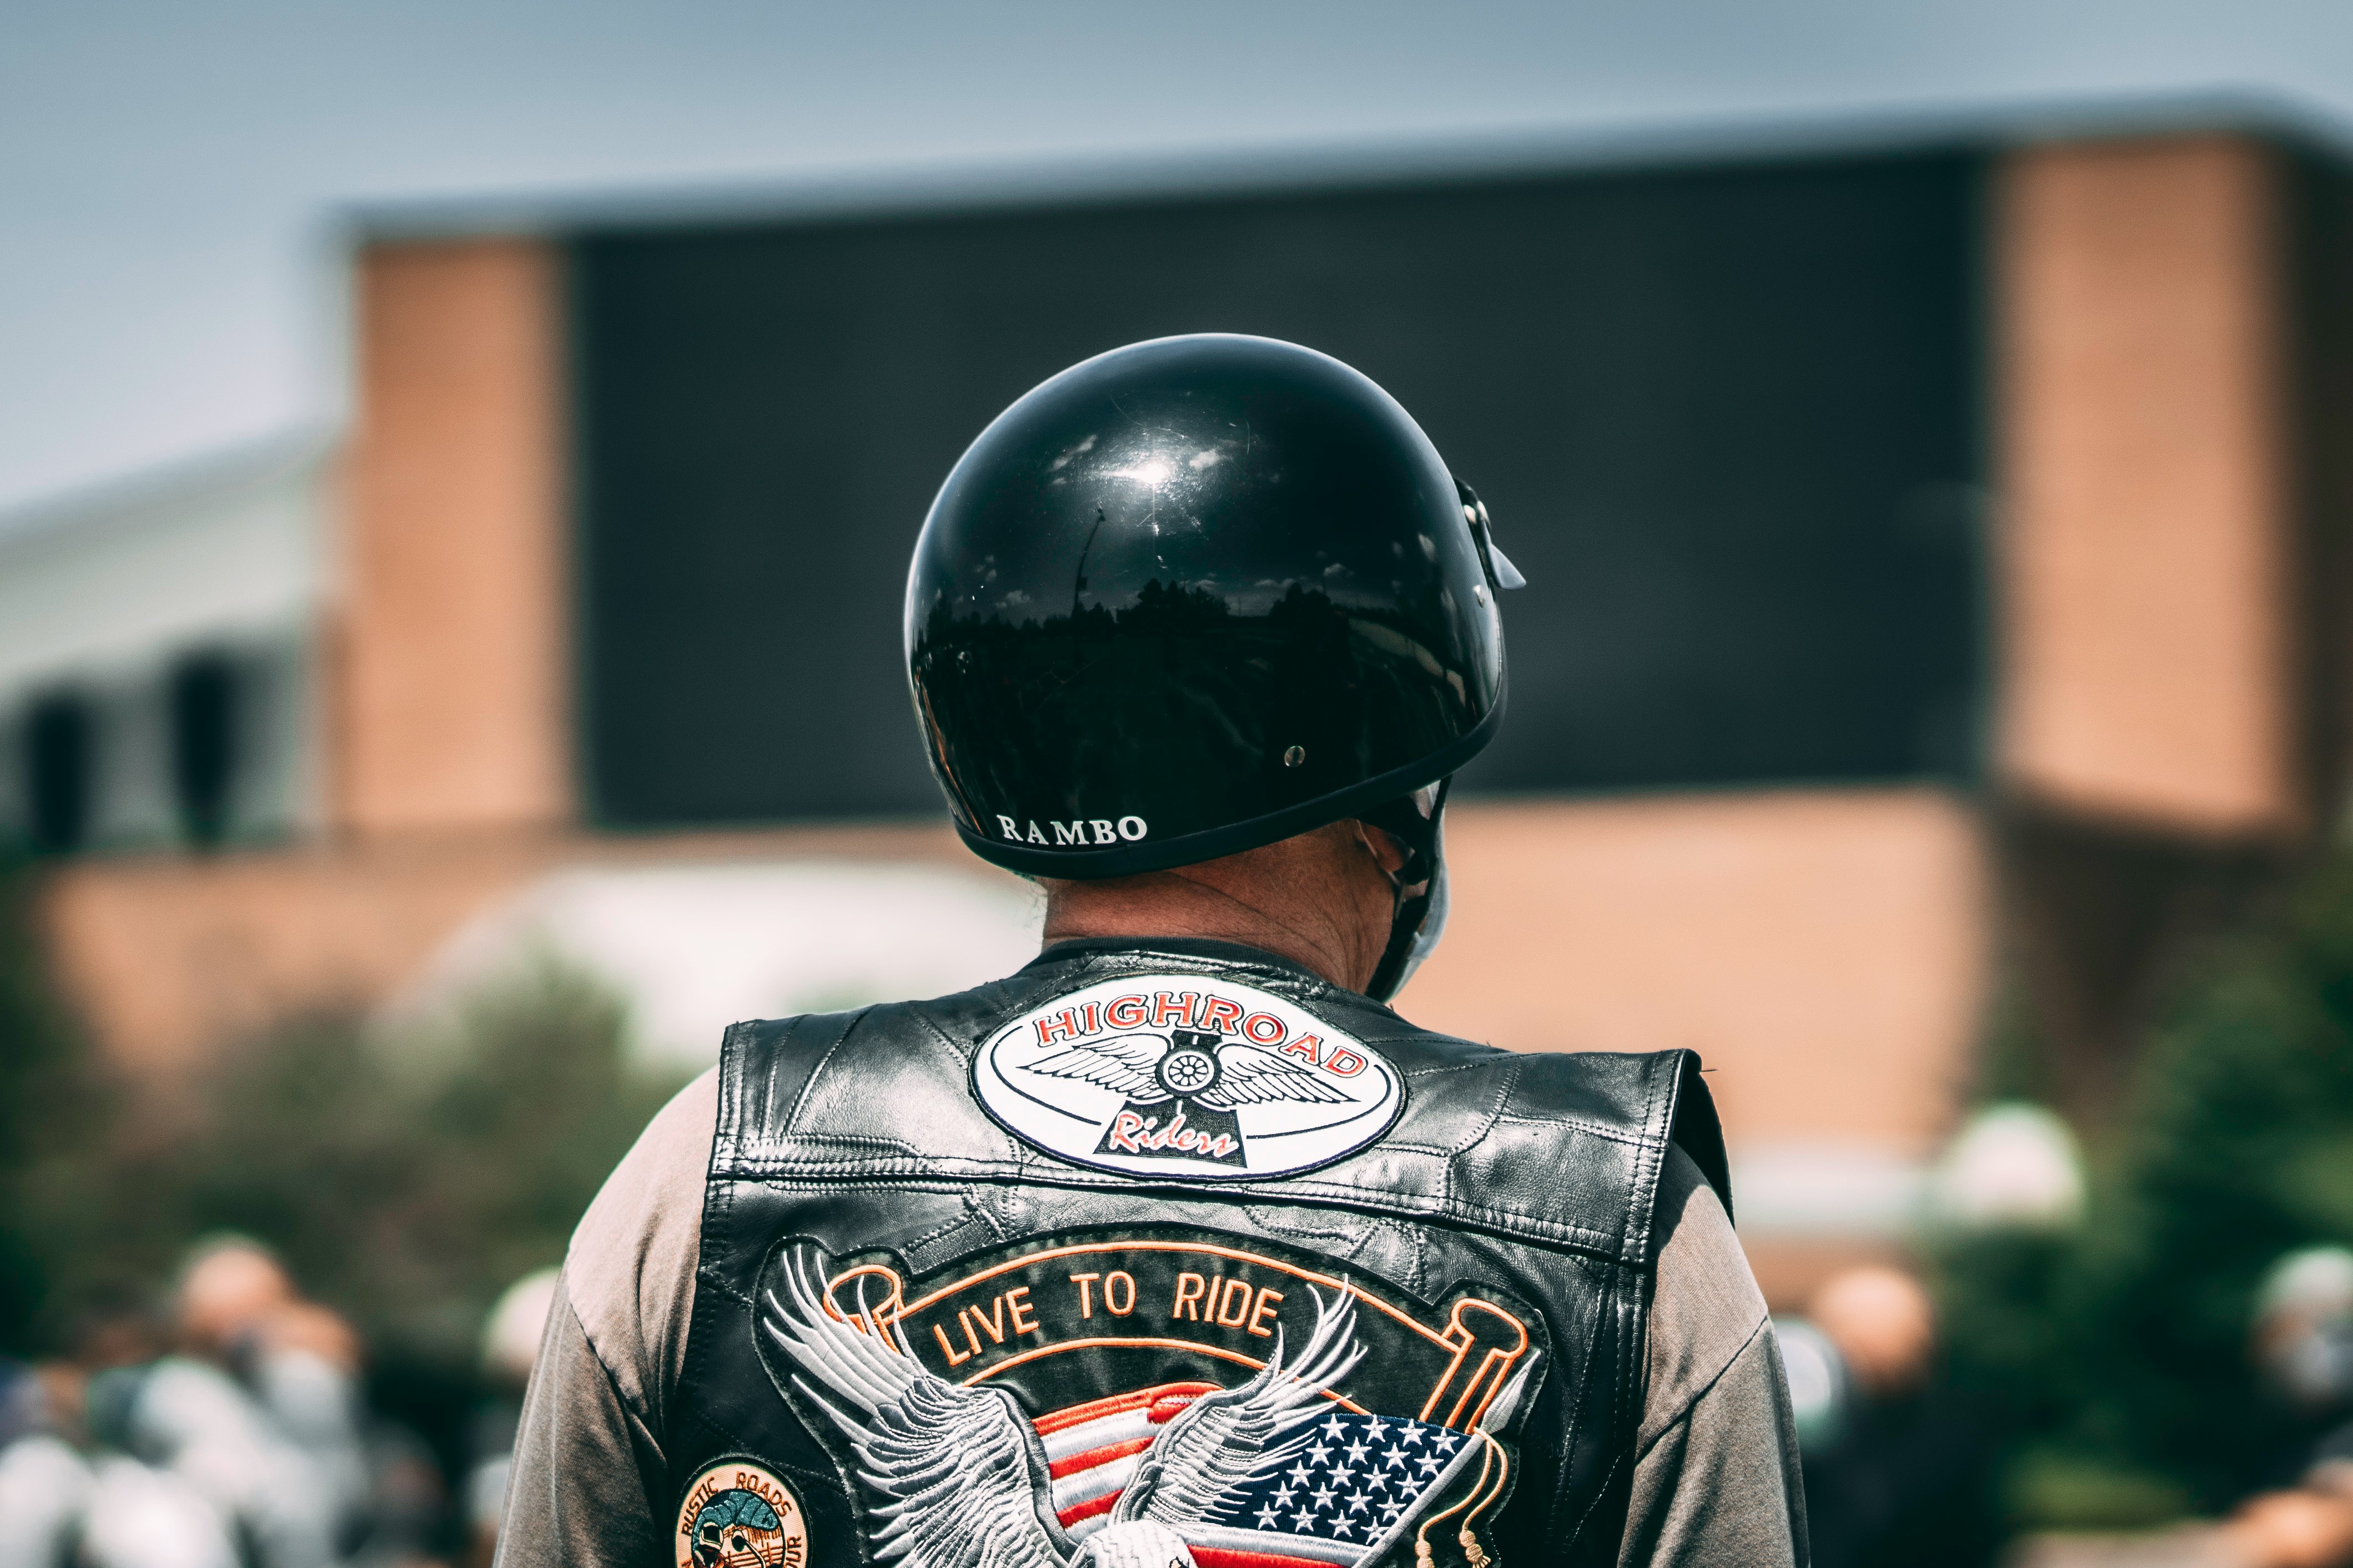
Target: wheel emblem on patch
x=1184, y=1076
x=737, y=1515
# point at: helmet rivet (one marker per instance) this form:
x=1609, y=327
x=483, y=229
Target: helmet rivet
x=1479, y=592
x=1293, y=757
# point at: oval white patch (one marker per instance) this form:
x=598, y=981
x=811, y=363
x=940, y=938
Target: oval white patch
x=1185, y=1075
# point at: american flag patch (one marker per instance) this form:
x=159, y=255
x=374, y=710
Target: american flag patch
x=1349, y=1491
x=1357, y=1485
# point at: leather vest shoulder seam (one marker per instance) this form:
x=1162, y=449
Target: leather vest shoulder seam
x=1590, y=1129
x=790, y=1125
x=860, y=1140
x=1477, y=1134
x=960, y=1055
x=1443, y=1069
x=1658, y=1124
x=1509, y=1224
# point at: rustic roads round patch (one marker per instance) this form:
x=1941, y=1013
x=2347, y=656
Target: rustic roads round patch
x=738, y=1515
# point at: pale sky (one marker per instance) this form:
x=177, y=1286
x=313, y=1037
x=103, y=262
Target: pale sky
x=170, y=174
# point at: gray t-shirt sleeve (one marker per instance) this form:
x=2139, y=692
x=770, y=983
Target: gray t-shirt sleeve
x=578, y=1491
x=588, y=1461
x=1716, y=1469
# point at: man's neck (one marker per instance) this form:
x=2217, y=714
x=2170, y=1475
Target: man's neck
x=1110, y=912
x=1322, y=900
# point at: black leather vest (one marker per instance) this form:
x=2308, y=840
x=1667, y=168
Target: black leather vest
x=1170, y=1241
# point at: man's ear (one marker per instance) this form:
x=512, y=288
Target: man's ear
x=1382, y=845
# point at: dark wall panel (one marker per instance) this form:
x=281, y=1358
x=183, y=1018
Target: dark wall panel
x=1726, y=422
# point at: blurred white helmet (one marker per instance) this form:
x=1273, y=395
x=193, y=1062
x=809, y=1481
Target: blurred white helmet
x=2013, y=1166
x=511, y=1337
x=2303, y=1327
x=1817, y=1378
x=2312, y=1283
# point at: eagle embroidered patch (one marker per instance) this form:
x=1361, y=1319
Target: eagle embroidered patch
x=1185, y=1075
x=1140, y=1398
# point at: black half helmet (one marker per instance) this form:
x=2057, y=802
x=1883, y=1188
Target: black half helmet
x=1195, y=596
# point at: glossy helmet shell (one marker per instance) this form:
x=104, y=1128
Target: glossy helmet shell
x=1192, y=596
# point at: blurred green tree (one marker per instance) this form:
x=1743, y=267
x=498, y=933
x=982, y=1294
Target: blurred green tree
x=2118, y=1352
x=48, y=1105
x=406, y=1175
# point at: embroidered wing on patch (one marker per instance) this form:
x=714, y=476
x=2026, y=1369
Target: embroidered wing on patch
x=957, y=1465
x=1251, y=1077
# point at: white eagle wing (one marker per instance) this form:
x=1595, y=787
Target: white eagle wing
x=1223, y=1440
x=1253, y=1077
x=954, y=1462
x=1123, y=1064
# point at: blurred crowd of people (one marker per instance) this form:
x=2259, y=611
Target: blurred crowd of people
x=1900, y=1470
x=230, y=1430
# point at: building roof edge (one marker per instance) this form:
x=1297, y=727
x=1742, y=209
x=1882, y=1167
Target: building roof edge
x=223, y=470
x=871, y=192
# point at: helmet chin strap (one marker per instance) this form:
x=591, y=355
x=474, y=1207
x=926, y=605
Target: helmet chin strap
x=1419, y=918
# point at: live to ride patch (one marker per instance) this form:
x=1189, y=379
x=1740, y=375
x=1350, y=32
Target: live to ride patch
x=1153, y=1394
x=1188, y=1077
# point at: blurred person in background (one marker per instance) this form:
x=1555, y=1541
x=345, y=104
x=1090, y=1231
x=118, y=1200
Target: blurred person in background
x=2302, y=1341
x=44, y=1482
x=1049, y=1272
x=256, y=1411
x=271, y=1382
x=68, y=1496
x=1897, y=1471
x=301, y=1361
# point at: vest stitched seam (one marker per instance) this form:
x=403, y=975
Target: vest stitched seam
x=1439, y=1071
x=946, y=1227
x=860, y=1140
x=800, y=1107
x=1478, y=1135
x=1277, y=1228
x=1631, y=1140
x=882, y=1174
x=1574, y=1408
x=1653, y=1155
x=1601, y=1495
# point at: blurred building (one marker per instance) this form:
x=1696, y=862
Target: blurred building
x=1935, y=570
x=157, y=655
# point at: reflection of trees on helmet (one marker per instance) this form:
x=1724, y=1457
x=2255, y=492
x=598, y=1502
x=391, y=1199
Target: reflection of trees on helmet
x=1220, y=584
x=738, y=1529
x=1351, y=692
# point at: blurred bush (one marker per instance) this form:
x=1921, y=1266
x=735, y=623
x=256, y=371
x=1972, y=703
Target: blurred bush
x=48, y=1101
x=2115, y=1352
x=407, y=1178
